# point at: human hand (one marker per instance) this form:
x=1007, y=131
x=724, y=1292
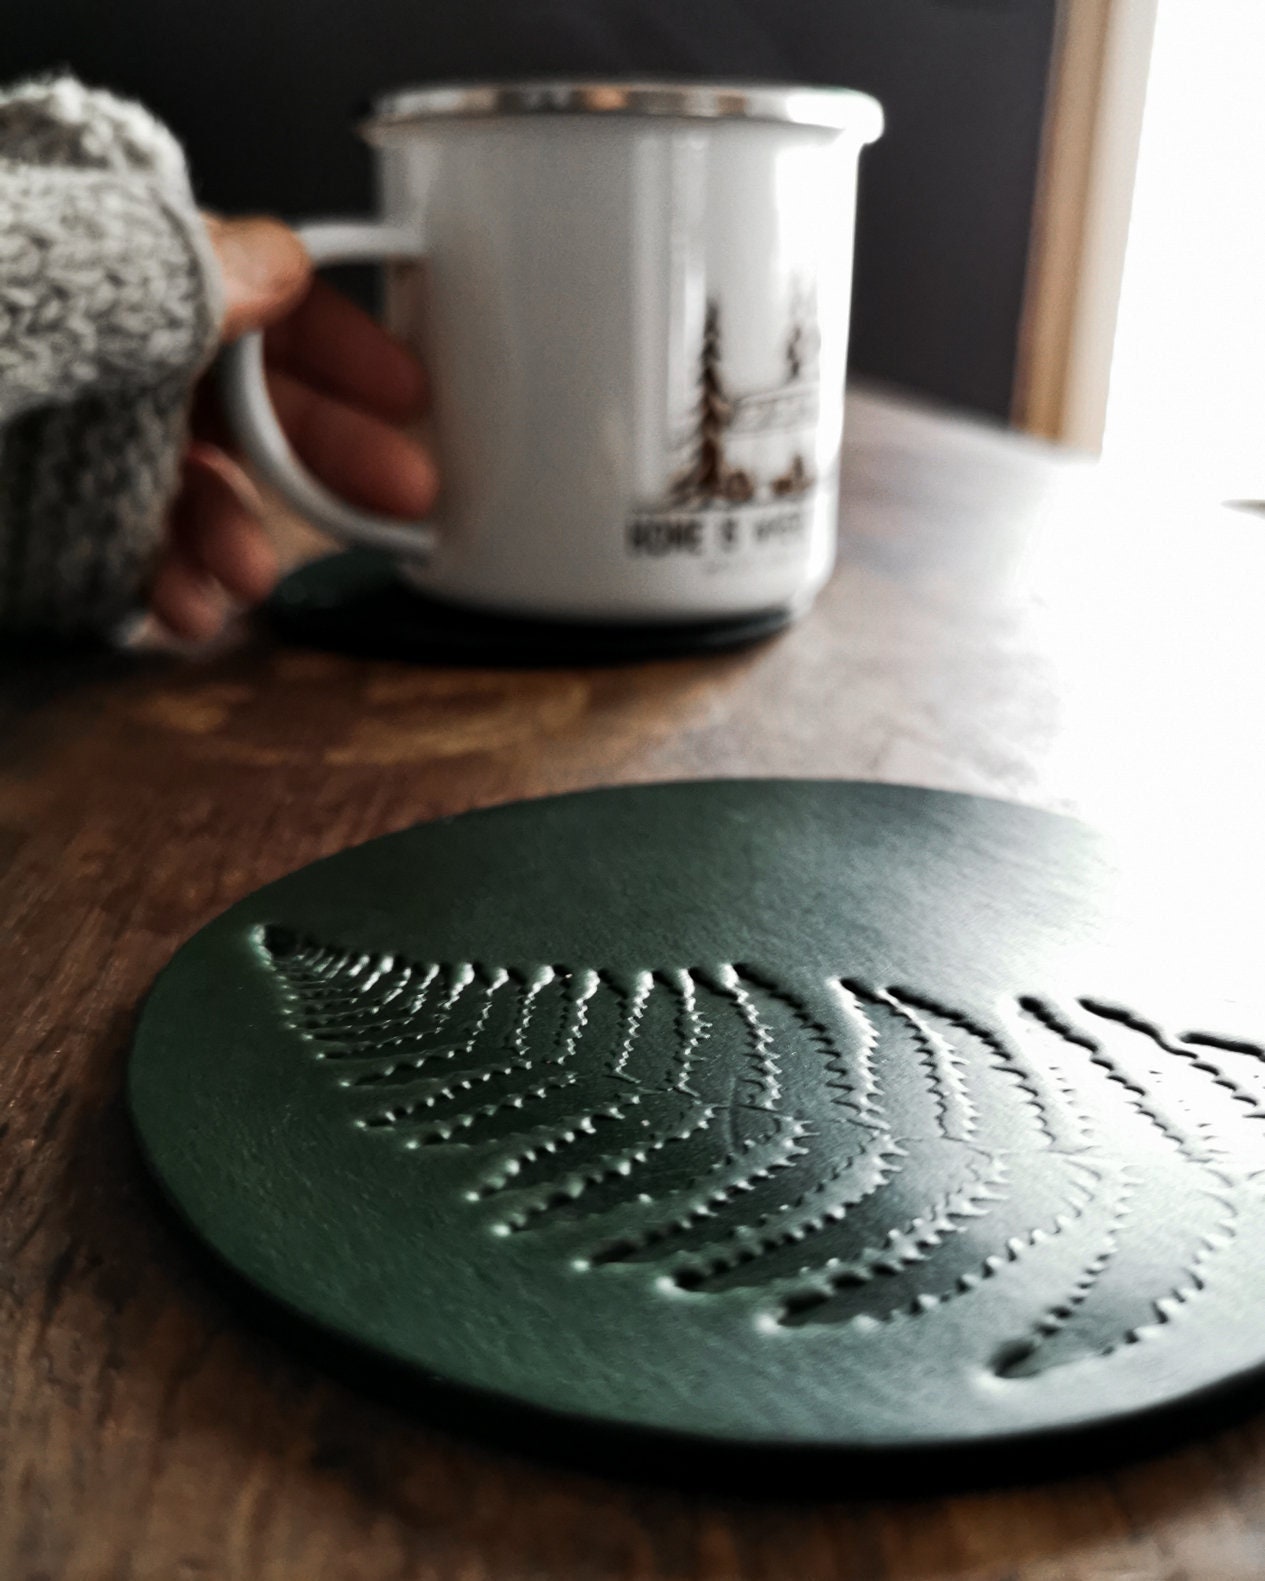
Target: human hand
x=342, y=388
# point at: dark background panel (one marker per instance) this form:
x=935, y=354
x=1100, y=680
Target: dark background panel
x=263, y=92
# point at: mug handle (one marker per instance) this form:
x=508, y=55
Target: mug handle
x=254, y=422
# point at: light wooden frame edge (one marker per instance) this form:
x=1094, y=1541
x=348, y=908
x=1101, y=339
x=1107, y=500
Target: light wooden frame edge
x=1093, y=124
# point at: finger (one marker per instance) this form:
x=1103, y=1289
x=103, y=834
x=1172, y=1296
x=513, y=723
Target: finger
x=214, y=527
x=330, y=343
x=358, y=456
x=186, y=600
x=265, y=271
x=203, y=456
x=208, y=420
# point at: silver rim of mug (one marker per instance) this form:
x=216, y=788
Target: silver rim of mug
x=831, y=109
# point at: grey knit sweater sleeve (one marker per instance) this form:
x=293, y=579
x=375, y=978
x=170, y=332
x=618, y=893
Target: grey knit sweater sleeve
x=110, y=304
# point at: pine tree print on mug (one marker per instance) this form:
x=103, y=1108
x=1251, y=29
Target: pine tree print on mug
x=744, y=470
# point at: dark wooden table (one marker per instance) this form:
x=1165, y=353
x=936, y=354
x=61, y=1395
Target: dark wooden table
x=1002, y=621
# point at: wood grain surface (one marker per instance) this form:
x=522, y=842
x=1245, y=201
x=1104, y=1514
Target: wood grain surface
x=1002, y=621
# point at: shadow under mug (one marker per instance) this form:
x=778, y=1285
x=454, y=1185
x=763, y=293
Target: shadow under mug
x=633, y=302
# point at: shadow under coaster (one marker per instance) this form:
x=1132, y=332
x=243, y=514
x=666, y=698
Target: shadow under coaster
x=357, y=602
x=764, y=1115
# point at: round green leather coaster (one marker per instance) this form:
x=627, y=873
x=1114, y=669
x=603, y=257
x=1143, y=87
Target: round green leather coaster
x=776, y=1113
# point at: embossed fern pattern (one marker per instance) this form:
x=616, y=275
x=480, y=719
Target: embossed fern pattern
x=842, y=1153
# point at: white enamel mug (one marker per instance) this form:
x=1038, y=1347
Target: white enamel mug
x=633, y=303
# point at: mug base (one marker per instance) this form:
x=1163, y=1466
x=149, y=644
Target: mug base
x=357, y=602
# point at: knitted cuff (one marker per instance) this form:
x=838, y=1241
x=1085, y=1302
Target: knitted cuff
x=110, y=306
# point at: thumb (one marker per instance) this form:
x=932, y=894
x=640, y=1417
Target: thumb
x=264, y=267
